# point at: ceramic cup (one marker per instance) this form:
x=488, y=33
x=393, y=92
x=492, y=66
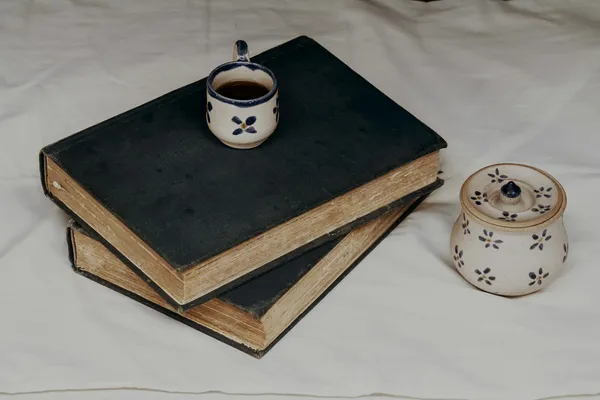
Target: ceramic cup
x=510, y=238
x=242, y=123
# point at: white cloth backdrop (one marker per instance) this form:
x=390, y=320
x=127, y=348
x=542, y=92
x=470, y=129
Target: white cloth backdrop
x=500, y=81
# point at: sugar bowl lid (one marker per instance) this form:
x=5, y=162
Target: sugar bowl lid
x=513, y=196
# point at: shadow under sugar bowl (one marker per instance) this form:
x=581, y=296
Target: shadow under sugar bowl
x=510, y=238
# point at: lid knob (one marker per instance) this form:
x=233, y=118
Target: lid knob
x=510, y=192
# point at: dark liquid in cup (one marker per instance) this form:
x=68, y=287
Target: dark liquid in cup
x=242, y=90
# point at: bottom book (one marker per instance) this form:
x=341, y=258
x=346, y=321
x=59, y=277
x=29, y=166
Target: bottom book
x=254, y=316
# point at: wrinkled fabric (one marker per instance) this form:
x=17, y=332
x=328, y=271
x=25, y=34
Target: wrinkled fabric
x=514, y=81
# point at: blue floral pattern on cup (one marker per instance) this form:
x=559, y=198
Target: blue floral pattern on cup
x=209, y=108
x=244, y=126
x=276, y=109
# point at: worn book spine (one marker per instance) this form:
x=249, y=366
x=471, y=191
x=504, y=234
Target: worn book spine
x=216, y=335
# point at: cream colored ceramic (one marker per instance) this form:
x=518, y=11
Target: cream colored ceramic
x=242, y=124
x=509, y=238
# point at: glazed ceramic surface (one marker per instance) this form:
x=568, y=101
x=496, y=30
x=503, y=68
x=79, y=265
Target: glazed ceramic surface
x=242, y=124
x=509, y=238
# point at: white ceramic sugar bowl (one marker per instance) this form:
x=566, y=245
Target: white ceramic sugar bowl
x=509, y=238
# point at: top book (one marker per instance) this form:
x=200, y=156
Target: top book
x=195, y=218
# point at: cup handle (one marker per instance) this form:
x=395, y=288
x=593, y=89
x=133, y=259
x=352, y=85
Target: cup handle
x=240, y=51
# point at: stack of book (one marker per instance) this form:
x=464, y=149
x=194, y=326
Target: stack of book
x=241, y=244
